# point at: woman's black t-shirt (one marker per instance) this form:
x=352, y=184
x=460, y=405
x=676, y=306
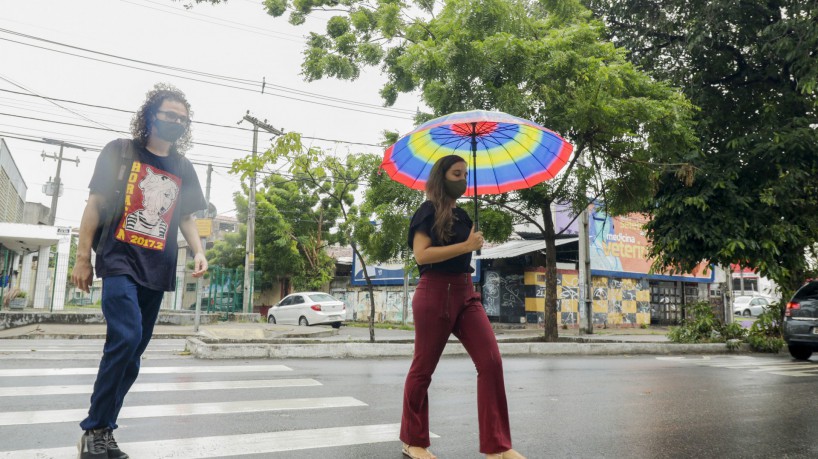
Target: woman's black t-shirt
x=424, y=219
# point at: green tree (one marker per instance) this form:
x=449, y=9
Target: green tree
x=327, y=185
x=293, y=225
x=229, y=251
x=545, y=61
x=751, y=67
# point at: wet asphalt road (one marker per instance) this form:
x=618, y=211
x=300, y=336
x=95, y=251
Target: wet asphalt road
x=561, y=407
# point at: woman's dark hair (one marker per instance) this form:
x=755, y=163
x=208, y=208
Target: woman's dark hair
x=442, y=202
x=142, y=121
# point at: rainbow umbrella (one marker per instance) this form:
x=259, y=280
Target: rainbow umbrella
x=507, y=153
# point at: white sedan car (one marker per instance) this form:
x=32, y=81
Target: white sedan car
x=308, y=308
x=750, y=305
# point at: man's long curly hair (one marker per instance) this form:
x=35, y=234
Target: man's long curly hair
x=142, y=121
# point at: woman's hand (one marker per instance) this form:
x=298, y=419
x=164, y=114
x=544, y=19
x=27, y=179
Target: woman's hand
x=475, y=240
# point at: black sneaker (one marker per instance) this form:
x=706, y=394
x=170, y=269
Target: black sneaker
x=93, y=445
x=113, y=449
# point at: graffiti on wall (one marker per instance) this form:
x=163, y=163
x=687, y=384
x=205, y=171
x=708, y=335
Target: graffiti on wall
x=388, y=304
x=492, y=293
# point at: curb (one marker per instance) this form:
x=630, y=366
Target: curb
x=358, y=350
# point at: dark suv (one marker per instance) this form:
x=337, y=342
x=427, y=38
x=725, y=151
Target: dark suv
x=801, y=322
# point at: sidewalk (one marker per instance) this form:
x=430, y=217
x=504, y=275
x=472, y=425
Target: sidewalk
x=223, y=340
x=248, y=331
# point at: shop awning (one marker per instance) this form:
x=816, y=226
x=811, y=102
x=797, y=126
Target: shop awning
x=512, y=249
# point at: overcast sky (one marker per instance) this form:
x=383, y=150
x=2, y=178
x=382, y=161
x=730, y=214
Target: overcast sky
x=109, y=53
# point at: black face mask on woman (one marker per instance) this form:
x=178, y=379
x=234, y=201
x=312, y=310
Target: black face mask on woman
x=454, y=188
x=169, y=131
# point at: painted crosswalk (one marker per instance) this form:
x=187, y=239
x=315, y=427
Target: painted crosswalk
x=159, y=387
x=86, y=349
x=221, y=446
x=191, y=393
x=769, y=365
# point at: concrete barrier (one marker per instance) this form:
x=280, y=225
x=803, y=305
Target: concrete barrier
x=337, y=350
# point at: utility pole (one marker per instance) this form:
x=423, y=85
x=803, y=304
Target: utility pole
x=250, y=255
x=197, y=315
x=586, y=292
x=56, y=189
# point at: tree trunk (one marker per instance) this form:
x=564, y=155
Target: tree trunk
x=371, y=293
x=550, y=319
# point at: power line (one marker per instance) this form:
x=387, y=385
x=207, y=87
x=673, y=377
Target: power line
x=256, y=85
x=178, y=12
x=194, y=143
x=215, y=164
x=8, y=80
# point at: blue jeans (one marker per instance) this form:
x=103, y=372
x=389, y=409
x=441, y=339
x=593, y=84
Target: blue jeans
x=130, y=311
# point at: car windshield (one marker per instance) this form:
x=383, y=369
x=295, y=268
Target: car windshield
x=321, y=297
x=743, y=299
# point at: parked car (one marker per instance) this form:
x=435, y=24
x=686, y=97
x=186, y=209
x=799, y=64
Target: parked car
x=801, y=322
x=308, y=308
x=750, y=305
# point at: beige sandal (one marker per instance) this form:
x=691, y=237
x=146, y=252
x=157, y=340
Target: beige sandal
x=413, y=455
x=510, y=454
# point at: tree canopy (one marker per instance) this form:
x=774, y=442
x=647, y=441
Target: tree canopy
x=752, y=69
x=545, y=61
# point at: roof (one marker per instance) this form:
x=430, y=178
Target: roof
x=516, y=248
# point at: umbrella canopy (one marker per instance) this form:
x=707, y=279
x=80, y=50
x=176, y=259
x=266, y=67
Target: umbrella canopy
x=507, y=153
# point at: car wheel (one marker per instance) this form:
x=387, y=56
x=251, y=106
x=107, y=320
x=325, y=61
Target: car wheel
x=800, y=352
x=747, y=313
x=336, y=325
x=271, y=319
x=303, y=321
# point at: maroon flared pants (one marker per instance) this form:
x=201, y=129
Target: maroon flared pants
x=447, y=304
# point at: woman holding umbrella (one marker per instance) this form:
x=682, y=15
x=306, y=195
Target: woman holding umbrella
x=442, y=238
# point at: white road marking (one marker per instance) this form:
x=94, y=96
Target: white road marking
x=158, y=387
x=239, y=445
x=755, y=365
x=189, y=409
x=144, y=370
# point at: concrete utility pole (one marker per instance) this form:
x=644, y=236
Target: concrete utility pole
x=197, y=316
x=56, y=190
x=250, y=256
x=586, y=292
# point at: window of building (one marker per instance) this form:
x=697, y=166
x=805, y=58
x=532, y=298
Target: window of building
x=750, y=284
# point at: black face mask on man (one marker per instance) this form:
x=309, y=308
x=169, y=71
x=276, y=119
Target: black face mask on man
x=169, y=131
x=454, y=188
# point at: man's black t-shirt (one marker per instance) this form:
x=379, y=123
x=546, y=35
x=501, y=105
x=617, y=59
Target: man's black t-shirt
x=424, y=219
x=158, y=191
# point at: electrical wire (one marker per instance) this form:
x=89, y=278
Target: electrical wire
x=194, y=121
x=245, y=28
x=255, y=85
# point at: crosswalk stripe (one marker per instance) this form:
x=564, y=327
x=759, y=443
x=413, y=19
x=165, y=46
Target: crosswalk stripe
x=144, y=370
x=238, y=445
x=72, y=351
x=159, y=387
x=795, y=373
x=753, y=364
x=189, y=409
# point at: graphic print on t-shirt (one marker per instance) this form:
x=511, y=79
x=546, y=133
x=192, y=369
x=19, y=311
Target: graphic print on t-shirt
x=150, y=198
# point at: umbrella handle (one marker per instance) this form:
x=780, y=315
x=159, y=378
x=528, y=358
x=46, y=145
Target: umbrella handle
x=474, y=178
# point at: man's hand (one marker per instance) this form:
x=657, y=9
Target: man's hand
x=199, y=265
x=83, y=274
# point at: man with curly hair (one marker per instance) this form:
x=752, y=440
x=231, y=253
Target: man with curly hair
x=136, y=257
